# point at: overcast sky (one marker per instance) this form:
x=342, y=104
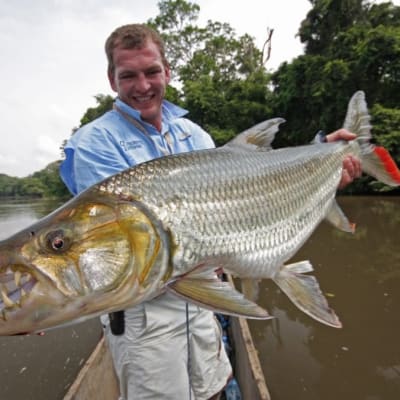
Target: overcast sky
x=53, y=62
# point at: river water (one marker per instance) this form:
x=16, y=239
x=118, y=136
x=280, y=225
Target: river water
x=40, y=367
x=360, y=275
x=301, y=359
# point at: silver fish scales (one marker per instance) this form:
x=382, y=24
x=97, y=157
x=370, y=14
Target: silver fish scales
x=250, y=207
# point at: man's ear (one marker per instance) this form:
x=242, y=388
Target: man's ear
x=111, y=79
x=167, y=74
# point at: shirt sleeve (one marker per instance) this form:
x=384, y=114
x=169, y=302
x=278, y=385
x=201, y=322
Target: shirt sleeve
x=91, y=156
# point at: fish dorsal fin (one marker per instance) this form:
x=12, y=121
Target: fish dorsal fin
x=205, y=289
x=258, y=137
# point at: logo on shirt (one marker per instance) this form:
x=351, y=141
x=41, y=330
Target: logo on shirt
x=134, y=144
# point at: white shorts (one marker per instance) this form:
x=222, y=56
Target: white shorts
x=151, y=357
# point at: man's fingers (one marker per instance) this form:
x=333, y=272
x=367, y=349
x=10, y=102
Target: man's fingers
x=349, y=167
x=351, y=170
x=340, y=134
x=357, y=167
x=346, y=179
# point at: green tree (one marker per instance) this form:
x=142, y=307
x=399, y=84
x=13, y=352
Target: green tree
x=52, y=184
x=104, y=104
x=31, y=187
x=326, y=20
x=8, y=185
x=221, y=77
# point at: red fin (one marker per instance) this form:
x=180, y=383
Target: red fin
x=389, y=164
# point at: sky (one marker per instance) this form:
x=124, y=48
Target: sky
x=53, y=62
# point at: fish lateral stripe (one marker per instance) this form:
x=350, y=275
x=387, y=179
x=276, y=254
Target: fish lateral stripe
x=388, y=162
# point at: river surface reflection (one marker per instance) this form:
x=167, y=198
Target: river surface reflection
x=360, y=275
x=40, y=367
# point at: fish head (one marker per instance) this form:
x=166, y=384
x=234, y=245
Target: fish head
x=93, y=255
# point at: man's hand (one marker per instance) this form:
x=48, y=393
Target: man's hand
x=351, y=164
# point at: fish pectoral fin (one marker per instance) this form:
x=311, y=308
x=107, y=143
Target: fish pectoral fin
x=216, y=295
x=304, y=292
x=338, y=219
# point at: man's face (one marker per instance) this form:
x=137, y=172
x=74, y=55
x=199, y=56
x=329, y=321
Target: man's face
x=140, y=79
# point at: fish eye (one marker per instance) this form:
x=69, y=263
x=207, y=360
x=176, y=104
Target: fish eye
x=57, y=241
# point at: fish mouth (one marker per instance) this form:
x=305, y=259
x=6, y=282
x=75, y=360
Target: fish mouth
x=16, y=284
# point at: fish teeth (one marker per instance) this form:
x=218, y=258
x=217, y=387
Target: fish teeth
x=17, y=278
x=25, y=277
x=14, y=287
x=4, y=295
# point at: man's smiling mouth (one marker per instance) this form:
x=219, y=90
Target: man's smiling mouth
x=143, y=99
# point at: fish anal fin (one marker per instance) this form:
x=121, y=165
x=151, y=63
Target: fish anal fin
x=219, y=296
x=338, y=219
x=304, y=292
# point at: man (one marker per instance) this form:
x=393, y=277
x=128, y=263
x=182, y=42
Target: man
x=168, y=349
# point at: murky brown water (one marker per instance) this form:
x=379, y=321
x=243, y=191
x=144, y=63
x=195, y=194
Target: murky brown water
x=40, y=367
x=360, y=274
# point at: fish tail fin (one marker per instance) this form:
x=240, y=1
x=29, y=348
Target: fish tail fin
x=381, y=166
x=376, y=161
x=304, y=292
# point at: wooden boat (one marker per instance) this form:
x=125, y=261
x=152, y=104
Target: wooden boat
x=97, y=379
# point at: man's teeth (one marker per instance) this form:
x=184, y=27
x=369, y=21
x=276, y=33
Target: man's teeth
x=143, y=98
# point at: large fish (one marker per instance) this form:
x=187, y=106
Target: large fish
x=172, y=224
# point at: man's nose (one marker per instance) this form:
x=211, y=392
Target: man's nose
x=142, y=83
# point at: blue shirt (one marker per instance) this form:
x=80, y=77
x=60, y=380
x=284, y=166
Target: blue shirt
x=113, y=143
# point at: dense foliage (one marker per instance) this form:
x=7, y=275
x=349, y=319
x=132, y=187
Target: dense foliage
x=43, y=183
x=221, y=78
